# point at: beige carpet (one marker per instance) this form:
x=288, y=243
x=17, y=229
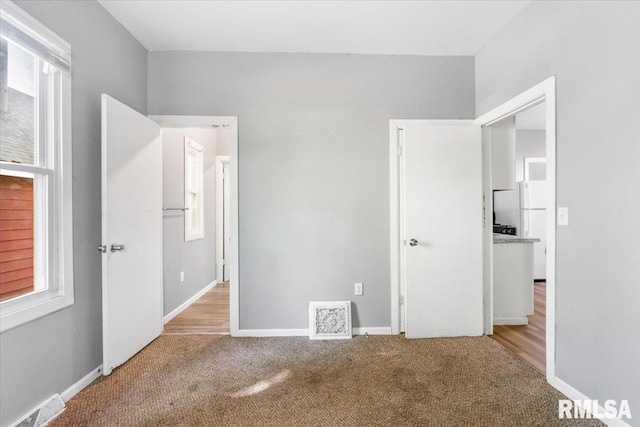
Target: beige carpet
x=193, y=380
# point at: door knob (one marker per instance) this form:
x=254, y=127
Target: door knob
x=116, y=247
x=413, y=242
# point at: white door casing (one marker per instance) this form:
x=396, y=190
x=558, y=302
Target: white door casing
x=226, y=223
x=443, y=212
x=131, y=216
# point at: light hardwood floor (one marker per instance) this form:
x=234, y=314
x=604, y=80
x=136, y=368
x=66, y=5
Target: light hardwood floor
x=208, y=315
x=528, y=341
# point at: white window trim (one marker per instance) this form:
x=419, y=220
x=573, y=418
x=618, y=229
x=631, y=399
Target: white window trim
x=60, y=293
x=194, y=149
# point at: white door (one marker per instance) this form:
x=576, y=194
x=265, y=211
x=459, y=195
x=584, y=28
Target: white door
x=226, y=225
x=132, y=218
x=443, y=229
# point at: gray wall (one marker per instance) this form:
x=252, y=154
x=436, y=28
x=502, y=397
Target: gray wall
x=313, y=173
x=593, y=49
x=197, y=258
x=529, y=143
x=50, y=354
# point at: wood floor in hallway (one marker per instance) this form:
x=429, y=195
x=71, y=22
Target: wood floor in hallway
x=208, y=315
x=528, y=341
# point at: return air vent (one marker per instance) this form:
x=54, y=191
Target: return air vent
x=44, y=413
x=329, y=320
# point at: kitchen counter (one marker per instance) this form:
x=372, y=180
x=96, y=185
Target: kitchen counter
x=507, y=238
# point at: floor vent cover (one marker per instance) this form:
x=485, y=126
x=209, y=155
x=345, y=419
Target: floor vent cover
x=44, y=413
x=329, y=320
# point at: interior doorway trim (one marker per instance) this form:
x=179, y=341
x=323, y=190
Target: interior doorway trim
x=231, y=122
x=542, y=92
x=220, y=162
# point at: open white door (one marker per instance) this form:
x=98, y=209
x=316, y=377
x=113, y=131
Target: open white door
x=131, y=232
x=442, y=229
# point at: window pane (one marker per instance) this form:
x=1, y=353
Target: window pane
x=191, y=171
x=193, y=211
x=16, y=236
x=17, y=104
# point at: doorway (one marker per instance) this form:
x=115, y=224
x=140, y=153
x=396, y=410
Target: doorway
x=518, y=172
x=538, y=101
x=199, y=298
x=400, y=296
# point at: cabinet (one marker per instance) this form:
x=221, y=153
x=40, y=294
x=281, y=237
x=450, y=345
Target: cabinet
x=503, y=154
x=512, y=283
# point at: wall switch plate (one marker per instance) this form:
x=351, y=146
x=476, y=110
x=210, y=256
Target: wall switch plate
x=359, y=288
x=182, y=276
x=563, y=216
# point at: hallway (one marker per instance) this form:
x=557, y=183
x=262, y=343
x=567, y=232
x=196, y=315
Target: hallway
x=209, y=315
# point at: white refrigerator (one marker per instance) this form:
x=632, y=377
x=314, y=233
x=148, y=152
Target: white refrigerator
x=533, y=222
x=525, y=207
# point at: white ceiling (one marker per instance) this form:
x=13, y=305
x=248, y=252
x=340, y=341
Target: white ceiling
x=532, y=119
x=370, y=27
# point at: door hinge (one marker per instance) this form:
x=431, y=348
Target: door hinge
x=401, y=300
x=399, y=150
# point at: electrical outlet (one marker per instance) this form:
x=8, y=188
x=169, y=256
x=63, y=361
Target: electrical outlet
x=182, y=276
x=359, y=288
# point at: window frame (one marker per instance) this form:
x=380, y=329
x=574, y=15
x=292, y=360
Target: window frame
x=193, y=149
x=53, y=134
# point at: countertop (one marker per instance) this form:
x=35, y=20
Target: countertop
x=507, y=238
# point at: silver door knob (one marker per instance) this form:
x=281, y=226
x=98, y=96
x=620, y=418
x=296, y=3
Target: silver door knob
x=413, y=242
x=115, y=247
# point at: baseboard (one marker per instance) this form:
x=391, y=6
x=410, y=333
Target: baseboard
x=381, y=330
x=81, y=384
x=574, y=394
x=304, y=332
x=188, y=302
x=272, y=333
x=510, y=320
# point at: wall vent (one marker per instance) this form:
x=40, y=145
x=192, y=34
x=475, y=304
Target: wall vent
x=43, y=413
x=329, y=320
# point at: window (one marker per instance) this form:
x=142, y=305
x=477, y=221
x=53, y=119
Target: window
x=193, y=191
x=36, y=269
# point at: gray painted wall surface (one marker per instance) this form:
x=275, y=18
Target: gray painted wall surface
x=48, y=355
x=529, y=143
x=313, y=173
x=197, y=258
x=592, y=48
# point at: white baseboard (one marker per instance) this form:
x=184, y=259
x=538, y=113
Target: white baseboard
x=511, y=320
x=81, y=384
x=574, y=394
x=304, y=332
x=188, y=302
x=381, y=330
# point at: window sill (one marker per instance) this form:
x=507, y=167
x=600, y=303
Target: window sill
x=12, y=317
x=193, y=236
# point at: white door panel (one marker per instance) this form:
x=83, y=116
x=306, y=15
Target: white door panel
x=443, y=212
x=131, y=216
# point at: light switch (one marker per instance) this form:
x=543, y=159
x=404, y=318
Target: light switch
x=359, y=288
x=182, y=276
x=563, y=216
